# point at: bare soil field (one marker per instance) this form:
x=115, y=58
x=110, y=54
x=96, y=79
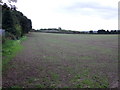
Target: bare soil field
x=65, y=61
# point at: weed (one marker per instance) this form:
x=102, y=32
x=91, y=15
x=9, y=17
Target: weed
x=45, y=79
x=40, y=86
x=69, y=69
x=30, y=80
x=54, y=76
x=53, y=85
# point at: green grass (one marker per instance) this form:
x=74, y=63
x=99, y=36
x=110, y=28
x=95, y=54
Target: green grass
x=9, y=50
x=86, y=80
x=44, y=86
x=16, y=87
x=31, y=80
x=55, y=79
x=54, y=76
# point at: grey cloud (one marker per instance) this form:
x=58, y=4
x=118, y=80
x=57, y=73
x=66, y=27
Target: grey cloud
x=97, y=9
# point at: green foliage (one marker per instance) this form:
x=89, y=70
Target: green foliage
x=18, y=30
x=10, y=49
x=7, y=21
x=15, y=22
x=23, y=38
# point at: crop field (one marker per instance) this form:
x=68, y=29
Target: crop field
x=65, y=61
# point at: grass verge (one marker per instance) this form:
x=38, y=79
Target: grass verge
x=9, y=50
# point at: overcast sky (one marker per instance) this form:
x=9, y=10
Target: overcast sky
x=81, y=15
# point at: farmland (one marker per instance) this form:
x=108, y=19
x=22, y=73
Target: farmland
x=65, y=61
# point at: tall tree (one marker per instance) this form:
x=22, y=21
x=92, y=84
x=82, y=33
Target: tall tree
x=15, y=22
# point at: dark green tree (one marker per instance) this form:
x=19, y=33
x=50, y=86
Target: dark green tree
x=102, y=31
x=91, y=32
x=15, y=22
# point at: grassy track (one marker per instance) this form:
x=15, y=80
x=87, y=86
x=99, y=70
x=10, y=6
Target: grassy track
x=65, y=60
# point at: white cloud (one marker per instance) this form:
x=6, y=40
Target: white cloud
x=70, y=14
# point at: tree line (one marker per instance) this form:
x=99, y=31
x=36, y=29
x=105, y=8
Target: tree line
x=14, y=22
x=60, y=30
x=102, y=31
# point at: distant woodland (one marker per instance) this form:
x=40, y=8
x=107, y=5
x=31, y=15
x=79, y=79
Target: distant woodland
x=60, y=30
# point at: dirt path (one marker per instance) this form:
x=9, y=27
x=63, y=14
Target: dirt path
x=46, y=62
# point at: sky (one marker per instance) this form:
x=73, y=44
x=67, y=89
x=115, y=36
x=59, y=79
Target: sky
x=79, y=15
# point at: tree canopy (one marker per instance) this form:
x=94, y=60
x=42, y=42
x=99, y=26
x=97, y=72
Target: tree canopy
x=15, y=22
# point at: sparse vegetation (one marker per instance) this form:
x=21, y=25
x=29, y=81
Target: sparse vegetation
x=87, y=80
x=66, y=61
x=16, y=87
x=54, y=76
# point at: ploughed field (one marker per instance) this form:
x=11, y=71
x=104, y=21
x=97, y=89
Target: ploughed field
x=65, y=61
